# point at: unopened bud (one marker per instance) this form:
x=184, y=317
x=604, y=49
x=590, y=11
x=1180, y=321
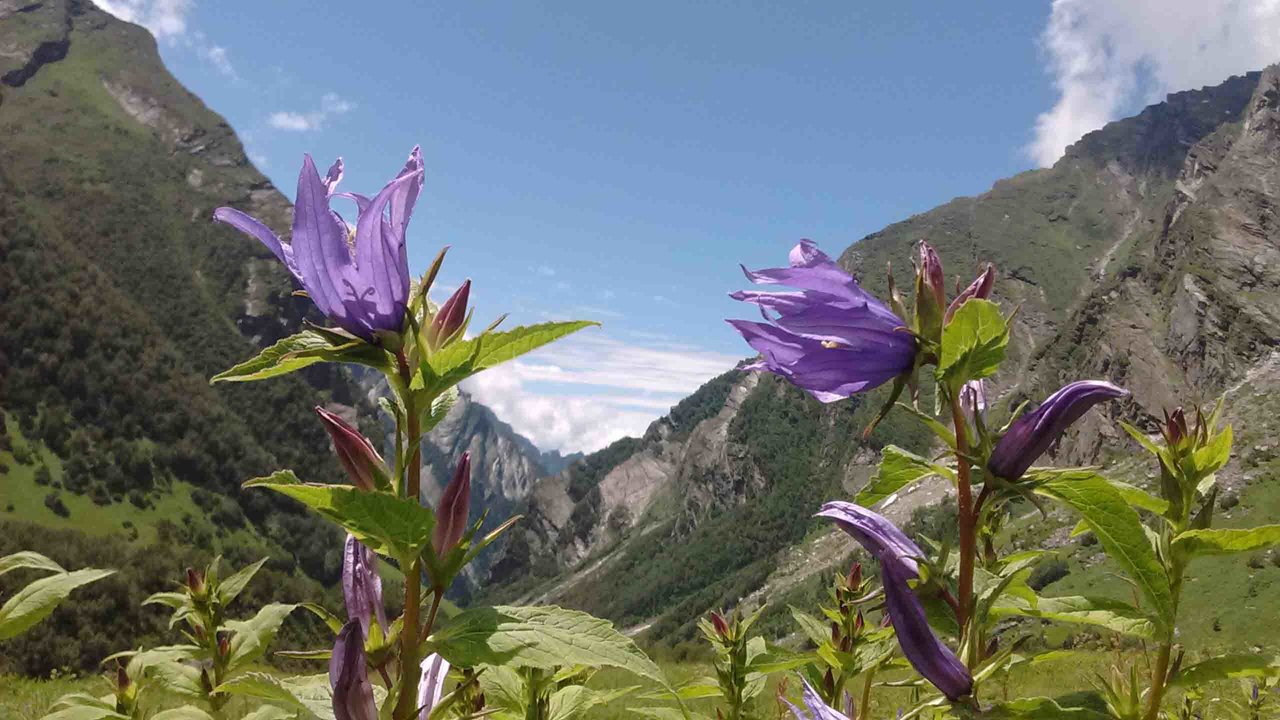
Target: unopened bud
x=855, y=577
x=454, y=508
x=450, y=318
x=858, y=624
x=195, y=581
x=1175, y=427
x=931, y=272
x=931, y=300
x=980, y=288
x=224, y=644
x=122, y=679
x=355, y=452
x=835, y=634
x=718, y=622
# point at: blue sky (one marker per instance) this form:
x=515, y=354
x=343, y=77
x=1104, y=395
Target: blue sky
x=616, y=161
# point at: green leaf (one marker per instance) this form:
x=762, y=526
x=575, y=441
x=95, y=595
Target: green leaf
x=1210, y=458
x=817, y=631
x=271, y=712
x=302, y=350
x=1040, y=708
x=541, y=637
x=34, y=602
x=333, y=621
x=251, y=637
x=1117, y=528
x=1226, y=667
x=575, y=700
x=28, y=560
x=186, y=712
x=898, y=468
x=264, y=687
x=393, y=526
x=1139, y=498
x=973, y=343
x=80, y=706
x=231, y=588
x=462, y=359
x=1102, y=612
x=1197, y=543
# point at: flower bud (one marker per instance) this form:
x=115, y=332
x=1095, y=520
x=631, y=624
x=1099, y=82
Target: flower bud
x=855, y=577
x=195, y=583
x=931, y=272
x=718, y=622
x=450, y=317
x=349, y=677
x=355, y=452
x=973, y=401
x=454, y=509
x=835, y=634
x=931, y=297
x=224, y=644
x=858, y=624
x=980, y=288
x=362, y=586
x=1175, y=427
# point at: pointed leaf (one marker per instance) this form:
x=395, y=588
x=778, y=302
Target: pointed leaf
x=28, y=560
x=302, y=350
x=231, y=588
x=898, y=468
x=251, y=637
x=1111, y=614
x=1197, y=543
x=34, y=602
x=973, y=343
x=1225, y=667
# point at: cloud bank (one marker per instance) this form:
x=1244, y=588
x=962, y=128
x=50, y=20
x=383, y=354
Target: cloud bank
x=589, y=390
x=1109, y=56
x=331, y=104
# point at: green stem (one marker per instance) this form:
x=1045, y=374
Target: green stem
x=1158, y=675
x=437, y=596
x=410, y=645
x=864, y=707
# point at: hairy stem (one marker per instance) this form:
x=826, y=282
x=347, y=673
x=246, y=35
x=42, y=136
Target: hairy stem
x=1158, y=675
x=410, y=645
x=437, y=596
x=968, y=530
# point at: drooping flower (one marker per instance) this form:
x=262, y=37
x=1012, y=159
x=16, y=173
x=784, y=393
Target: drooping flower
x=1032, y=434
x=454, y=508
x=362, y=586
x=897, y=555
x=355, y=452
x=358, y=277
x=434, y=671
x=349, y=677
x=973, y=400
x=980, y=288
x=814, y=707
x=832, y=338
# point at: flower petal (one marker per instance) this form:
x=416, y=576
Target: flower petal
x=253, y=227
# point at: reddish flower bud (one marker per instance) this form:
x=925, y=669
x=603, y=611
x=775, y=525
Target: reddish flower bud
x=718, y=622
x=855, y=576
x=122, y=679
x=450, y=317
x=931, y=273
x=835, y=634
x=1175, y=427
x=858, y=624
x=224, y=644
x=980, y=288
x=454, y=508
x=196, y=583
x=355, y=452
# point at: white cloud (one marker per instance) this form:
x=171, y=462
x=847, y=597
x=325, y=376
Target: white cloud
x=589, y=390
x=217, y=55
x=1107, y=56
x=331, y=104
x=543, y=270
x=166, y=19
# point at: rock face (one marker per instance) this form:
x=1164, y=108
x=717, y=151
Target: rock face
x=1148, y=255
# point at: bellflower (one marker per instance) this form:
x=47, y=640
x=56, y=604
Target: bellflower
x=832, y=339
x=355, y=452
x=349, y=677
x=358, y=277
x=362, y=586
x=897, y=555
x=814, y=707
x=1032, y=434
x=454, y=508
x=434, y=671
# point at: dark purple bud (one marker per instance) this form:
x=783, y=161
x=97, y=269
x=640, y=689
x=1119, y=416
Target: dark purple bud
x=224, y=644
x=898, y=567
x=434, y=671
x=355, y=452
x=718, y=622
x=195, y=583
x=123, y=683
x=362, y=586
x=858, y=624
x=980, y=288
x=454, y=508
x=349, y=677
x=1033, y=433
x=450, y=317
x=1175, y=427
x=835, y=634
x=931, y=275
x=855, y=576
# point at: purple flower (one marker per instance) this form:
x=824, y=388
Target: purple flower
x=1034, y=432
x=814, y=707
x=362, y=586
x=434, y=671
x=832, y=339
x=454, y=508
x=897, y=555
x=358, y=277
x=349, y=677
x=973, y=400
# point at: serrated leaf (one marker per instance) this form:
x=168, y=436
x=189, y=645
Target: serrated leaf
x=299, y=351
x=28, y=560
x=460, y=360
x=34, y=602
x=231, y=588
x=1118, y=529
x=84, y=712
x=817, y=631
x=898, y=469
x=1102, y=612
x=1226, y=667
x=1040, y=708
x=250, y=638
x=1215, y=541
x=973, y=343
x=264, y=687
x=541, y=637
x=575, y=700
x=389, y=525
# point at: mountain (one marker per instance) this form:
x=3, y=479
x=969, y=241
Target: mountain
x=1149, y=255
x=118, y=300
